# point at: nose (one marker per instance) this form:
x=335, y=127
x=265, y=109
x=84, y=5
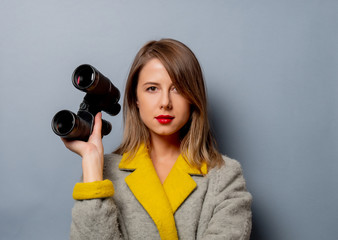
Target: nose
x=166, y=101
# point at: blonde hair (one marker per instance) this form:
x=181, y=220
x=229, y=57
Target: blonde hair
x=197, y=143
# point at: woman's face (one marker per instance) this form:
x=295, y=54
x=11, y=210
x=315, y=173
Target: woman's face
x=162, y=108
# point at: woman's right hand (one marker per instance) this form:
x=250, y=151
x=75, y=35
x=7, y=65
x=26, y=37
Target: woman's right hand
x=90, y=151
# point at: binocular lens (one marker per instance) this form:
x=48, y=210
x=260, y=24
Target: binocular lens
x=84, y=77
x=63, y=123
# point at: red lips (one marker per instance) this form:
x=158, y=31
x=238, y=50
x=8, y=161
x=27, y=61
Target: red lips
x=164, y=119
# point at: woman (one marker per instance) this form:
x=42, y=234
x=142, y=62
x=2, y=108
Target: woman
x=166, y=180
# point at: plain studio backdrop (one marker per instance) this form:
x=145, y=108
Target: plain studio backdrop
x=271, y=71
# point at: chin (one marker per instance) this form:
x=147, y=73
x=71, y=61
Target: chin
x=166, y=133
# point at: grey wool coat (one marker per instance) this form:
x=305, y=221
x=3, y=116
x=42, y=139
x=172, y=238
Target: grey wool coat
x=190, y=205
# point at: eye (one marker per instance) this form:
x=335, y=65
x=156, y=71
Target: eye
x=174, y=89
x=151, y=89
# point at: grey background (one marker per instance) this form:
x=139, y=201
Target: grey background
x=271, y=73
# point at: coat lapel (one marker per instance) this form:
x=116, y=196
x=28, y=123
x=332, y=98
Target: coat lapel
x=179, y=184
x=148, y=190
x=160, y=201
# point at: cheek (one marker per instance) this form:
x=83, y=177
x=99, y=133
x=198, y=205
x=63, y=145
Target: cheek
x=144, y=104
x=184, y=111
x=183, y=104
x=187, y=115
x=146, y=109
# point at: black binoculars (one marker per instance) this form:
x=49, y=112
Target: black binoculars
x=101, y=95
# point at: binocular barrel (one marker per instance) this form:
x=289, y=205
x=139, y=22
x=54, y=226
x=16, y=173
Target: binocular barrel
x=67, y=124
x=101, y=95
x=88, y=79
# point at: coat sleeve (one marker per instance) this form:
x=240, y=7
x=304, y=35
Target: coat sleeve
x=231, y=217
x=95, y=214
x=95, y=219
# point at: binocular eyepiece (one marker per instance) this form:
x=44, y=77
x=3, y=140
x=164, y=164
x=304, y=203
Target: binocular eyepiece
x=101, y=95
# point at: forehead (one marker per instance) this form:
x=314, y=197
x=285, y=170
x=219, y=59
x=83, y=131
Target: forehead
x=154, y=71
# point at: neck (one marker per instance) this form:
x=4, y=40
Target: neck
x=162, y=147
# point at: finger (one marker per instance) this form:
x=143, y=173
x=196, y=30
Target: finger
x=75, y=146
x=97, y=126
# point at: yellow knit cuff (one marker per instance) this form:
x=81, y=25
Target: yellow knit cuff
x=91, y=190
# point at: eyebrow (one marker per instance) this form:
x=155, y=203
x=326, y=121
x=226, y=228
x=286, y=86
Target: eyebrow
x=151, y=83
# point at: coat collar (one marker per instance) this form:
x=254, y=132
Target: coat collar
x=160, y=201
x=142, y=154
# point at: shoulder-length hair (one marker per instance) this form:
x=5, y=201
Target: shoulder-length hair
x=197, y=143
